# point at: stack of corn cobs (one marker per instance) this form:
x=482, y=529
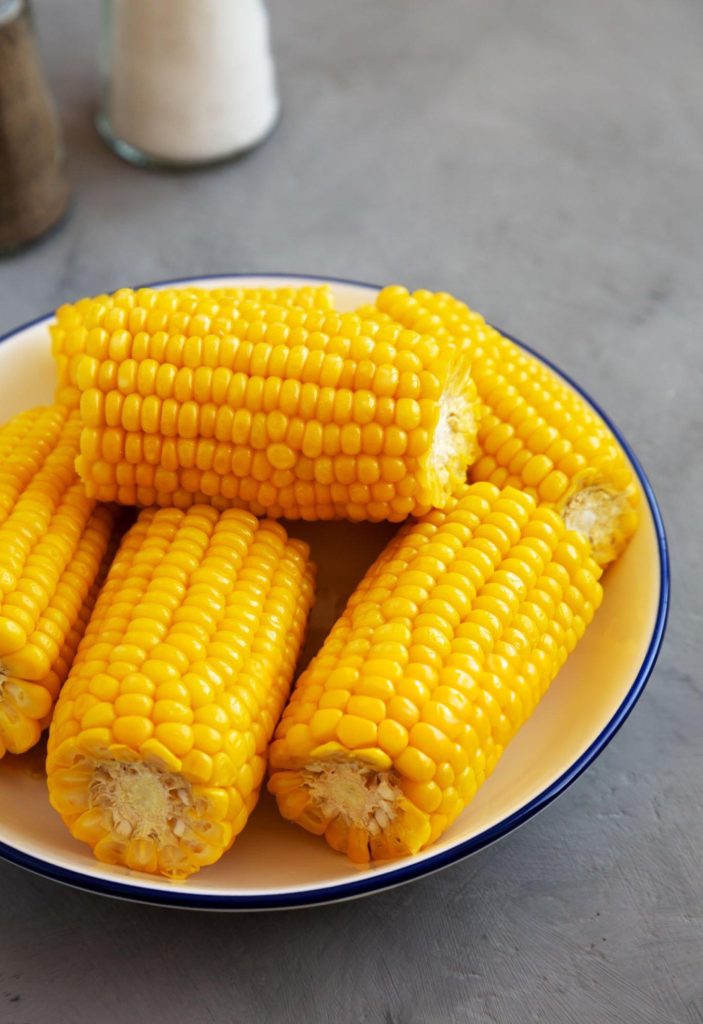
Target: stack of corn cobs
x=160, y=645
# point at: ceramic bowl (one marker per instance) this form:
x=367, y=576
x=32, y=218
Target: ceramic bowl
x=274, y=864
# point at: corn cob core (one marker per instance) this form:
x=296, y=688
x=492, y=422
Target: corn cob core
x=158, y=743
x=300, y=413
x=53, y=543
x=181, y=310
x=441, y=654
x=536, y=433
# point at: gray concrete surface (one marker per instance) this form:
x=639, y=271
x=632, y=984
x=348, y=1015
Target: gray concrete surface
x=545, y=160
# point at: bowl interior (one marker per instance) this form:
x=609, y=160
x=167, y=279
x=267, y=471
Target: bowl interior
x=273, y=859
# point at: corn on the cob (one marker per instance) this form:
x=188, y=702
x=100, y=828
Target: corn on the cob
x=53, y=541
x=187, y=311
x=536, y=432
x=297, y=413
x=158, y=743
x=443, y=651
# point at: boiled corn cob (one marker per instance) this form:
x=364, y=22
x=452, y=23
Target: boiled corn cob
x=188, y=311
x=536, y=433
x=158, y=743
x=441, y=654
x=299, y=413
x=53, y=543
x=26, y=707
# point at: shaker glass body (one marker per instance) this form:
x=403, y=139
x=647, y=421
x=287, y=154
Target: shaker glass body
x=33, y=184
x=186, y=82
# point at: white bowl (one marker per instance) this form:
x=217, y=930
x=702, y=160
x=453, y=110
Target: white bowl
x=275, y=864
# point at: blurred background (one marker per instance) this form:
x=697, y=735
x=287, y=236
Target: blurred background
x=527, y=156
x=544, y=162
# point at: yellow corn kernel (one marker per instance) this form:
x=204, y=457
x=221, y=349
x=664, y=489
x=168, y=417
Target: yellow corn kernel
x=452, y=677
x=354, y=731
x=176, y=687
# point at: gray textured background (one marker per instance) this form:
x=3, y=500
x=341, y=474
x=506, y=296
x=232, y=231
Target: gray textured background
x=544, y=160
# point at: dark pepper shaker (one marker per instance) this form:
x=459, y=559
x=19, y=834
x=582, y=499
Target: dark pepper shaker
x=33, y=184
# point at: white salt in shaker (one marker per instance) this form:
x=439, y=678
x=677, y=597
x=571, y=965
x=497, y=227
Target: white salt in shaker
x=186, y=82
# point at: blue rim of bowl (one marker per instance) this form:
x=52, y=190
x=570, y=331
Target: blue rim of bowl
x=406, y=871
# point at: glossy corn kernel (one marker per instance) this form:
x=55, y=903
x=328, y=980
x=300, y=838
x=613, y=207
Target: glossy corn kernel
x=297, y=413
x=83, y=325
x=158, y=743
x=536, y=433
x=53, y=543
x=441, y=654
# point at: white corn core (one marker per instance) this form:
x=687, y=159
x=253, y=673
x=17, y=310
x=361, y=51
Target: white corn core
x=456, y=420
x=144, y=801
x=595, y=512
x=358, y=792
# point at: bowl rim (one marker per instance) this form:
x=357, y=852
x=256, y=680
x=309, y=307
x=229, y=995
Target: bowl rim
x=406, y=871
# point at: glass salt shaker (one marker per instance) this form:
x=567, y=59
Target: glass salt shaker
x=185, y=82
x=34, y=188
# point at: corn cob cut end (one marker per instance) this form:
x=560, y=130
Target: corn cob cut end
x=606, y=516
x=453, y=446
x=140, y=813
x=358, y=807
